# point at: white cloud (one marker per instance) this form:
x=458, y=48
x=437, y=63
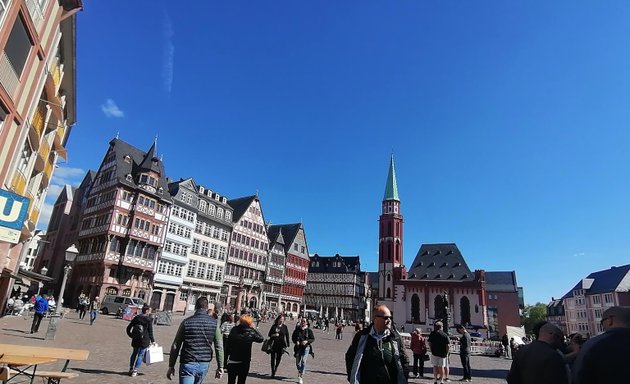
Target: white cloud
x=44, y=216
x=110, y=109
x=168, y=64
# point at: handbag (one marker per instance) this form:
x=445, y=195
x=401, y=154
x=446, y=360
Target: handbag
x=153, y=354
x=267, y=345
x=426, y=357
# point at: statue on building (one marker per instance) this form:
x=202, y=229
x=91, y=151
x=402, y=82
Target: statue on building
x=441, y=310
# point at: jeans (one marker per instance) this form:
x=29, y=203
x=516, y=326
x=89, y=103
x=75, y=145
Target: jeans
x=135, y=361
x=193, y=373
x=300, y=359
x=237, y=371
x=276, y=357
x=466, y=365
x=92, y=316
x=37, y=319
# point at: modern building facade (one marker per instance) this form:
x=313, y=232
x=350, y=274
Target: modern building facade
x=336, y=287
x=248, y=255
x=37, y=112
x=123, y=225
x=504, y=306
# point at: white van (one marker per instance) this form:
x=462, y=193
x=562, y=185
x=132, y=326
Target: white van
x=111, y=303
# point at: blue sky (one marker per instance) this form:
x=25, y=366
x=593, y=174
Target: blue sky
x=508, y=120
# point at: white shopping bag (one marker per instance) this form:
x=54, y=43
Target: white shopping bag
x=154, y=354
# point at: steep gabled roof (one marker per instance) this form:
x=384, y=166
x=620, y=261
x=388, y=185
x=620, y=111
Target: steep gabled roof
x=240, y=206
x=615, y=279
x=501, y=282
x=440, y=262
x=289, y=232
x=335, y=264
x=151, y=161
x=133, y=167
x=275, y=238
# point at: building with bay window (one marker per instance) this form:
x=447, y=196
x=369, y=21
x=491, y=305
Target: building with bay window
x=123, y=225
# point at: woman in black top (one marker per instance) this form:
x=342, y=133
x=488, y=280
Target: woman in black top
x=279, y=335
x=303, y=338
x=239, y=349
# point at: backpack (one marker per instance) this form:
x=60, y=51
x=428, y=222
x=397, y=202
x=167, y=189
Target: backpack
x=137, y=331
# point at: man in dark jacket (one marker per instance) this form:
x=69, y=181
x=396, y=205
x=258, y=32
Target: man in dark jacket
x=540, y=362
x=377, y=354
x=140, y=329
x=464, y=351
x=195, y=338
x=239, y=349
x=604, y=358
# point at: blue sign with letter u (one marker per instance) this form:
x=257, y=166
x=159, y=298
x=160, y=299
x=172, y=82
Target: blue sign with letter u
x=13, y=209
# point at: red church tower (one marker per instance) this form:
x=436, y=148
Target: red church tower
x=390, y=249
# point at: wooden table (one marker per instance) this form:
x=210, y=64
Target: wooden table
x=16, y=363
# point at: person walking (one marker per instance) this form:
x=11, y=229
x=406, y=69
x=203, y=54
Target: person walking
x=464, y=351
x=440, y=345
x=83, y=304
x=505, y=342
x=419, y=348
x=377, y=353
x=239, y=349
x=303, y=338
x=195, y=338
x=140, y=329
x=279, y=336
x=339, y=331
x=41, y=307
x=95, y=306
x=226, y=326
x=540, y=362
x=604, y=358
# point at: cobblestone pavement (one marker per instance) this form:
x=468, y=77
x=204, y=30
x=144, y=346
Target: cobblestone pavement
x=110, y=349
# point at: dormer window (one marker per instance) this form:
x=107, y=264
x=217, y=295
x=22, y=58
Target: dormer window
x=148, y=180
x=127, y=159
x=129, y=178
x=224, y=200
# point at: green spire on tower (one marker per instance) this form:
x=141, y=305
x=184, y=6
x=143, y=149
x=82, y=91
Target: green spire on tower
x=391, y=188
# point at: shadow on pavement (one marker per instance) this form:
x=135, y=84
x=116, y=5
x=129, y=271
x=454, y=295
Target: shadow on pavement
x=100, y=371
x=489, y=373
x=327, y=373
x=16, y=330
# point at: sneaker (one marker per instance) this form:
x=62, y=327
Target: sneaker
x=133, y=373
x=300, y=381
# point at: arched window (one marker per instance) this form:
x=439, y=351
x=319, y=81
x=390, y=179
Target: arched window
x=389, y=277
x=389, y=293
x=415, y=309
x=440, y=308
x=111, y=290
x=127, y=292
x=464, y=310
x=211, y=209
x=202, y=206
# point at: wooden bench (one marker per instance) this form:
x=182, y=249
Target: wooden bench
x=45, y=352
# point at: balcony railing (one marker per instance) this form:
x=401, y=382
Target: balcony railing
x=8, y=77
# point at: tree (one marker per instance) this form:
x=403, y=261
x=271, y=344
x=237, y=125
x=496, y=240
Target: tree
x=532, y=314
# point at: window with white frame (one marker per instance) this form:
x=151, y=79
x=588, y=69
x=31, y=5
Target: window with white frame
x=211, y=209
x=596, y=299
x=195, y=246
x=608, y=298
x=202, y=205
x=210, y=272
x=220, y=213
x=192, y=268
x=201, y=272
x=204, y=248
x=222, y=252
x=228, y=215
x=214, y=248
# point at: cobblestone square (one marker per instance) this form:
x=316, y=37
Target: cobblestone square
x=110, y=349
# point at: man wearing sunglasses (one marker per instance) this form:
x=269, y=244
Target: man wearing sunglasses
x=377, y=353
x=604, y=358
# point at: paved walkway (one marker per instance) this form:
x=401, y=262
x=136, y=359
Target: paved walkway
x=110, y=349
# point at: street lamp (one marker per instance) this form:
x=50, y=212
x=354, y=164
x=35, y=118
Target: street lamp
x=71, y=254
